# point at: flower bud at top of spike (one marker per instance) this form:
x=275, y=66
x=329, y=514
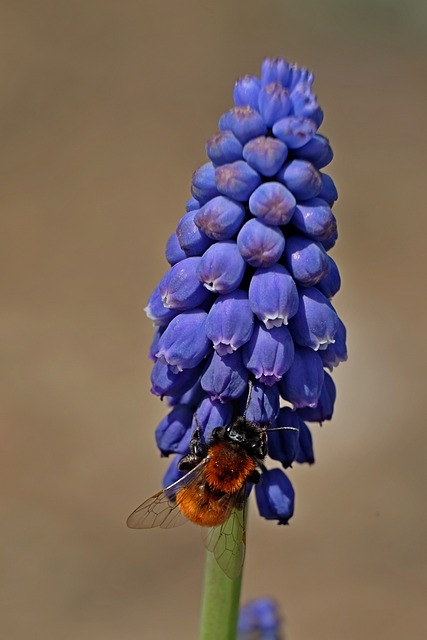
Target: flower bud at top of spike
x=203, y=185
x=294, y=132
x=230, y=322
x=336, y=352
x=259, y=244
x=305, y=103
x=180, y=287
x=269, y=353
x=244, y=122
x=315, y=218
x=274, y=103
x=265, y=155
x=166, y=383
x=246, y=90
x=325, y=406
x=273, y=203
x=173, y=252
x=306, y=260
x=283, y=444
x=300, y=177
x=315, y=323
x=273, y=296
x=184, y=343
x=305, y=445
x=264, y=403
x=221, y=267
x=224, y=148
x=212, y=414
x=316, y=150
x=275, y=496
x=328, y=191
x=274, y=70
x=157, y=312
x=173, y=429
x=302, y=383
x=192, y=239
x=220, y=218
x=330, y=284
x=225, y=378
x=237, y=180
x=299, y=75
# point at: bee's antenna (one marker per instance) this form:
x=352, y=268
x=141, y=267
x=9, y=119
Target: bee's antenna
x=250, y=387
x=283, y=429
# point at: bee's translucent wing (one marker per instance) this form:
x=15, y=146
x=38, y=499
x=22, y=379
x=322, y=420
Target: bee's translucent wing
x=161, y=510
x=228, y=541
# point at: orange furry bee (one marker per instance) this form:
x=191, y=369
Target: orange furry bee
x=213, y=493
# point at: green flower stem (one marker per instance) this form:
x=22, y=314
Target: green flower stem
x=220, y=602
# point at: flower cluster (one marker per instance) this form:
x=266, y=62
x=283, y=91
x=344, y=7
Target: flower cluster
x=247, y=295
x=260, y=620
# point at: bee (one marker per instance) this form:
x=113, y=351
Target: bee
x=213, y=493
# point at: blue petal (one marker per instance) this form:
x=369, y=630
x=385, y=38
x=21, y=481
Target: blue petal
x=283, y=445
x=264, y=403
x=180, y=287
x=211, y=414
x=157, y=312
x=301, y=385
x=306, y=260
x=325, y=406
x=274, y=103
x=244, y=122
x=330, y=284
x=275, y=496
x=221, y=267
x=275, y=70
x=273, y=296
x=273, y=203
x=191, y=239
x=184, y=343
x=259, y=244
x=336, y=352
x=269, y=353
x=174, y=431
x=260, y=620
x=220, y=218
x=265, y=155
x=224, y=148
x=316, y=150
x=203, y=186
x=328, y=191
x=294, y=132
x=315, y=323
x=246, y=92
x=237, y=180
x=301, y=177
x=173, y=252
x=230, y=322
x=166, y=383
x=225, y=378
x=305, y=452
x=315, y=218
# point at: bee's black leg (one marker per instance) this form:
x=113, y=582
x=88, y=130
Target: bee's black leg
x=254, y=477
x=198, y=450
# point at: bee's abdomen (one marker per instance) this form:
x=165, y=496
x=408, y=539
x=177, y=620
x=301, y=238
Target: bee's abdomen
x=201, y=506
x=228, y=468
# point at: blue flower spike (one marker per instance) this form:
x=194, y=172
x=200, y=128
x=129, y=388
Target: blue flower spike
x=247, y=296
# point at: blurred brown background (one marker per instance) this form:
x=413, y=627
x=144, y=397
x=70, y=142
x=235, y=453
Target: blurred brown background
x=106, y=107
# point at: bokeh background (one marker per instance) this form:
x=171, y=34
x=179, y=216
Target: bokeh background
x=105, y=110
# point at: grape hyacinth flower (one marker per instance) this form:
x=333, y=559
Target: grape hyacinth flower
x=248, y=293
x=260, y=620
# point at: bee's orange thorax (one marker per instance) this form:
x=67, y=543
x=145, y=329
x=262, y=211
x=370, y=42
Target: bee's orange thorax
x=228, y=468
